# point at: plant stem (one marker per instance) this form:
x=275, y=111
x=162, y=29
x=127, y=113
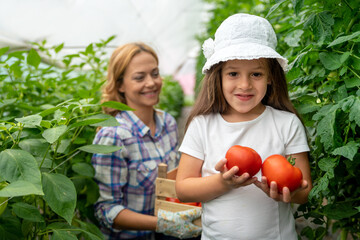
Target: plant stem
x=343, y=234
x=70, y=157
x=47, y=150
x=354, y=73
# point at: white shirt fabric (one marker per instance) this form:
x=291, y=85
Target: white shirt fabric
x=246, y=212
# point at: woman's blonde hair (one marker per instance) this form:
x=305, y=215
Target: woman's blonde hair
x=118, y=64
x=211, y=98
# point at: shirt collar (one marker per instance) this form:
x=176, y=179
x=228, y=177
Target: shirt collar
x=140, y=127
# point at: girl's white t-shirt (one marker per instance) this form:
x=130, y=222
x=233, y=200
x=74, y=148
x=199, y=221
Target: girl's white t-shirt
x=245, y=212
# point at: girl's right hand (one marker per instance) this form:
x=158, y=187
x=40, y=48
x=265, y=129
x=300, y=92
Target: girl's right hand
x=229, y=177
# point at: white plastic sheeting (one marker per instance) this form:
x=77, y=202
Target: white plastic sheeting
x=169, y=26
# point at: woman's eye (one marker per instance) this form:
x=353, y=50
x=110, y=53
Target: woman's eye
x=138, y=78
x=155, y=74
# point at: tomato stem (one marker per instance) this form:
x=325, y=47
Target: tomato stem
x=291, y=160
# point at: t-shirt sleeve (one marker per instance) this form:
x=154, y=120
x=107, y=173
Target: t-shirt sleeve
x=192, y=143
x=297, y=140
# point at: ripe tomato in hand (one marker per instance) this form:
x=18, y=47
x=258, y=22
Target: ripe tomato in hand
x=278, y=169
x=245, y=158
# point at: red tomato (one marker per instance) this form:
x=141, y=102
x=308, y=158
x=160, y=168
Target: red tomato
x=169, y=199
x=191, y=203
x=277, y=168
x=247, y=160
x=175, y=200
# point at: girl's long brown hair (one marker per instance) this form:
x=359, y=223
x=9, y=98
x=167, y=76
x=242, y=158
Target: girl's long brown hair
x=118, y=63
x=211, y=98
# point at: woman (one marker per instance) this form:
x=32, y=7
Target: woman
x=148, y=137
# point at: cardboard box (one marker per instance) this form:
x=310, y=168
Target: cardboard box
x=165, y=187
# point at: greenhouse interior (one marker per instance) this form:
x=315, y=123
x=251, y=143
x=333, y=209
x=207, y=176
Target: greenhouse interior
x=192, y=119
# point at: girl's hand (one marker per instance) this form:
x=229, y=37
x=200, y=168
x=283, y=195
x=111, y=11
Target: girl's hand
x=273, y=192
x=229, y=177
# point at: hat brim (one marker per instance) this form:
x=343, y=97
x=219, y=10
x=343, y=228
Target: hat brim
x=244, y=51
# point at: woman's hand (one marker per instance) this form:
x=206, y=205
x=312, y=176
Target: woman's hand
x=229, y=177
x=272, y=191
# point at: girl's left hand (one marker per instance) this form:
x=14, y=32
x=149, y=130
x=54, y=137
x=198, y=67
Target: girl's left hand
x=273, y=192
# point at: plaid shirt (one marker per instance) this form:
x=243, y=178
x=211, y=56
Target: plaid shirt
x=126, y=178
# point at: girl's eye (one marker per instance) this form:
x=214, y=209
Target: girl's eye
x=232, y=74
x=257, y=74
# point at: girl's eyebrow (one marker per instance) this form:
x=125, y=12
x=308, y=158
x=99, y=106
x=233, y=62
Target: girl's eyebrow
x=235, y=68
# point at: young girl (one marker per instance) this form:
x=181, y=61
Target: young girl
x=243, y=101
x=148, y=137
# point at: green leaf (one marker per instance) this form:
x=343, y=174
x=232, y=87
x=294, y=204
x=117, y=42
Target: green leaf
x=60, y=194
x=356, y=63
x=117, y=105
x=86, y=122
x=83, y=169
x=328, y=165
x=49, y=111
x=348, y=151
x=27, y=212
x=29, y=121
x=89, y=49
x=10, y=227
x=320, y=186
x=64, y=144
x=325, y=129
x=62, y=235
x=321, y=25
x=4, y=50
x=109, y=121
x=274, y=7
x=90, y=230
x=18, y=165
x=307, y=105
x=355, y=112
x=7, y=102
x=344, y=57
x=21, y=188
x=352, y=82
x=298, y=4
x=36, y=147
x=33, y=58
x=97, y=148
x=52, y=135
x=331, y=61
x=339, y=211
x=59, y=47
x=344, y=39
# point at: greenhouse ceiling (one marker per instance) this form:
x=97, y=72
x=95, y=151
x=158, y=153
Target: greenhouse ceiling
x=169, y=26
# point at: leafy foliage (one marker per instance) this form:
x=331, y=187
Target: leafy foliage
x=321, y=41
x=50, y=109
x=171, y=97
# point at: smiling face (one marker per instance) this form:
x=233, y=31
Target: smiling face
x=244, y=85
x=141, y=82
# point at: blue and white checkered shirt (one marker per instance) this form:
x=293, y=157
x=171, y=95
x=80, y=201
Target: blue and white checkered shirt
x=126, y=177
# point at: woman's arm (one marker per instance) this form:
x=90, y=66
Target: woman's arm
x=301, y=194
x=129, y=220
x=191, y=187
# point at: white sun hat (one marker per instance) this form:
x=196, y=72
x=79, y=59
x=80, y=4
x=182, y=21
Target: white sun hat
x=242, y=36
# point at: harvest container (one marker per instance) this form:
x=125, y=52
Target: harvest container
x=165, y=188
